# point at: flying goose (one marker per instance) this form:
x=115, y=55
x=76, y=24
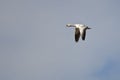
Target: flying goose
x=80, y=30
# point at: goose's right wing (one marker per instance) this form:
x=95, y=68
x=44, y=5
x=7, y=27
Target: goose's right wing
x=77, y=34
x=84, y=34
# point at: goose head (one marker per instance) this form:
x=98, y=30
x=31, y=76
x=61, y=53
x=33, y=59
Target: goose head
x=88, y=27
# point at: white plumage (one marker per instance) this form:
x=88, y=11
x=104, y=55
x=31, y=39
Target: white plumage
x=80, y=30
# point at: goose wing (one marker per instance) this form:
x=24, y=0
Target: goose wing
x=77, y=34
x=83, y=34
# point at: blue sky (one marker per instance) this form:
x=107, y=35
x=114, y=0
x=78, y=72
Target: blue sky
x=35, y=44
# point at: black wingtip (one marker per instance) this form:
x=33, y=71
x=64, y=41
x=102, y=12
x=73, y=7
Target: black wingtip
x=76, y=40
x=83, y=39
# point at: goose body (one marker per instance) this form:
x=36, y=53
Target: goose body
x=80, y=30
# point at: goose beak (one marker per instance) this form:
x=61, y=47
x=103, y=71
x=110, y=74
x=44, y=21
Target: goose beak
x=89, y=28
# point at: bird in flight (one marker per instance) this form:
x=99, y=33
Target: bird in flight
x=80, y=30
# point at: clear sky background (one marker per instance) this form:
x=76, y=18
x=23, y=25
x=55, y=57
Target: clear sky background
x=35, y=43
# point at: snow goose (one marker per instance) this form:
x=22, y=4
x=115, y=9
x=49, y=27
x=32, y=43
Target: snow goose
x=80, y=30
